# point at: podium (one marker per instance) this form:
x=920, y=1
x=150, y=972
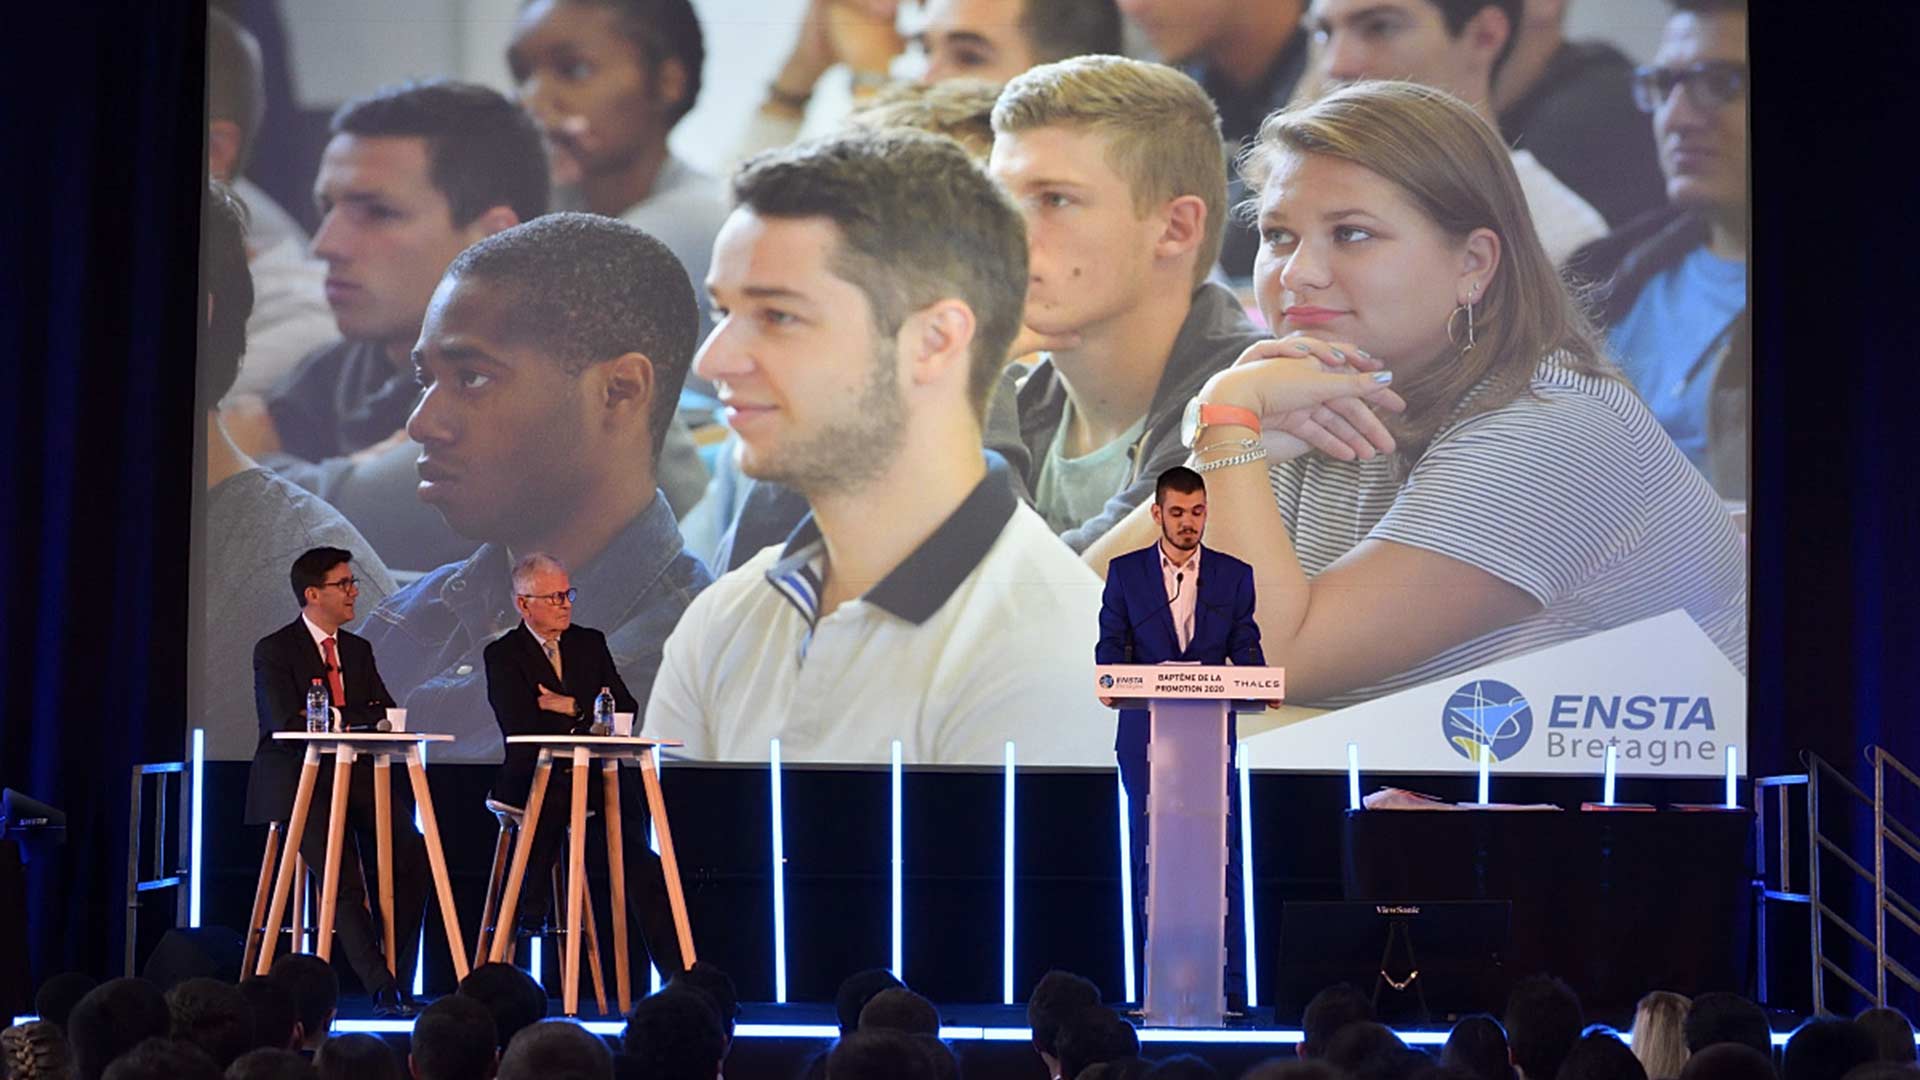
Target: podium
x=1187, y=792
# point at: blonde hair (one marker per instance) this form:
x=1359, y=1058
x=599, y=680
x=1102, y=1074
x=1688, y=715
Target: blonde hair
x=1659, y=1032
x=960, y=109
x=1162, y=131
x=1453, y=165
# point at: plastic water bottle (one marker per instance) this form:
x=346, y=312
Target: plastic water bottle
x=603, y=712
x=317, y=707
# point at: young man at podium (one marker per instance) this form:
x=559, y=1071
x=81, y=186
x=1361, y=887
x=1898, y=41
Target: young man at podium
x=1179, y=601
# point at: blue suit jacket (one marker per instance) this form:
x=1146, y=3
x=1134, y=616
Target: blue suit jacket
x=1134, y=612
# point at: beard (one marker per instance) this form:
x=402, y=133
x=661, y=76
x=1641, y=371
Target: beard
x=1174, y=539
x=854, y=448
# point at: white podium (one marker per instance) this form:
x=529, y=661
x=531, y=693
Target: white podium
x=1187, y=786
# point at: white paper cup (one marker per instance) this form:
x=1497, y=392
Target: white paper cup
x=397, y=719
x=623, y=724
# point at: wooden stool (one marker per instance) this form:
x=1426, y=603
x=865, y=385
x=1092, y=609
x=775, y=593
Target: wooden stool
x=263, y=892
x=512, y=819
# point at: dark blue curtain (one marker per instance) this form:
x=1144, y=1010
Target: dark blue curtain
x=103, y=131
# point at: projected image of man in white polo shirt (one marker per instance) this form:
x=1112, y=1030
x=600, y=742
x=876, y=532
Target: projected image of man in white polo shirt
x=867, y=289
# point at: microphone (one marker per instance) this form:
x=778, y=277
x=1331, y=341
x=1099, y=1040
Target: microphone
x=378, y=726
x=1179, y=579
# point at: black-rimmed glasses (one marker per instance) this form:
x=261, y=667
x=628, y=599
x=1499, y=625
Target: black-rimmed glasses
x=556, y=599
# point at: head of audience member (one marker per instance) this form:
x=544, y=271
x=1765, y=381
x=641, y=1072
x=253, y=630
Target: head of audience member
x=1118, y=167
x=880, y=1054
x=1452, y=45
x=1478, y=1045
x=1720, y=1017
x=1696, y=92
x=1660, y=1033
x=454, y=1039
x=226, y=293
x=214, y=1016
x=960, y=109
x=900, y=1009
x=707, y=978
x=675, y=1034
x=1284, y=1069
x=314, y=986
x=552, y=357
x=1055, y=997
x=541, y=592
x=1826, y=1049
x=55, y=999
x=1543, y=1021
x=1183, y=1067
x=270, y=1064
x=162, y=1059
x=112, y=1019
x=357, y=1056
x=998, y=39
x=1600, y=1055
x=1235, y=37
x=868, y=287
x=1092, y=1034
x=1880, y=1070
x=1132, y=1068
x=274, y=1012
x=36, y=1050
x=607, y=80
x=1327, y=1012
x=1892, y=1032
x=1365, y=1047
x=412, y=176
x=1728, y=1061
x=556, y=1050
x=323, y=581
x=236, y=96
x=1392, y=220
x=855, y=991
x=940, y=1057
x=511, y=995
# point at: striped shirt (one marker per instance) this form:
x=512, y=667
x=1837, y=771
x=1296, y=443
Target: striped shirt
x=1571, y=493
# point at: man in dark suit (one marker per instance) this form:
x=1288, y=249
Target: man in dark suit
x=1179, y=601
x=543, y=677
x=286, y=663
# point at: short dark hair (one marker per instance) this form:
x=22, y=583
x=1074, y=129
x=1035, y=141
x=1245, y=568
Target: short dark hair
x=454, y=1039
x=55, y=999
x=1722, y=1017
x=1478, y=1044
x=113, y=1018
x=706, y=977
x=855, y=991
x=1456, y=13
x=1094, y=1033
x=1057, y=29
x=1185, y=481
x=483, y=150
x=163, y=1059
x=1293, y=1069
x=358, y=1056
x=274, y=1012
x=1600, y=1055
x=556, y=1050
x=918, y=222
x=1056, y=996
x=236, y=87
x=675, y=1035
x=1132, y=1068
x=1891, y=1031
x=664, y=30
x=900, y=1009
x=226, y=281
x=213, y=1016
x=1363, y=1047
x=1183, y=1067
x=310, y=572
x=1826, y=1049
x=311, y=981
x=1729, y=1061
x=1543, y=1021
x=591, y=288
x=511, y=995
x=270, y=1063
x=880, y=1054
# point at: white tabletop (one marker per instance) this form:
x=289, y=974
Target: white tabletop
x=611, y=742
x=361, y=736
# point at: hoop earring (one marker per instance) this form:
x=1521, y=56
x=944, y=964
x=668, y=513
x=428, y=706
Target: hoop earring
x=1454, y=338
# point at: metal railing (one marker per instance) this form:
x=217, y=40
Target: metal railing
x=1821, y=915
x=136, y=813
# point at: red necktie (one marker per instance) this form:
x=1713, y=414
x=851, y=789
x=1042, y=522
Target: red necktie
x=334, y=682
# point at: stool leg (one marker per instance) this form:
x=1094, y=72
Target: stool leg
x=592, y=944
x=557, y=930
x=261, y=890
x=436, y=860
x=669, y=865
x=296, y=827
x=301, y=941
x=617, y=881
x=576, y=876
x=490, y=909
x=383, y=853
x=522, y=850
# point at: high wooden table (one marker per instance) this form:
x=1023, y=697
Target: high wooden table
x=346, y=747
x=583, y=751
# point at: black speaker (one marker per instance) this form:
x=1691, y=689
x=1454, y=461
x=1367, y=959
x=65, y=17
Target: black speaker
x=211, y=951
x=1420, y=961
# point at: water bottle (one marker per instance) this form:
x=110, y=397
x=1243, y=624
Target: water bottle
x=317, y=707
x=603, y=712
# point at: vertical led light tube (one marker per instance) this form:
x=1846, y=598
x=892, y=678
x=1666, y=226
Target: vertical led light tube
x=1126, y=888
x=1606, y=784
x=898, y=966
x=1246, y=879
x=1486, y=778
x=1006, y=886
x=193, y=839
x=1733, y=778
x=1353, y=776
x=779, y=879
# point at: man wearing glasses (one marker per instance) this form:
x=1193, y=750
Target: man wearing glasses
x=542, y=679
x=1674, y=300
x=285, y=664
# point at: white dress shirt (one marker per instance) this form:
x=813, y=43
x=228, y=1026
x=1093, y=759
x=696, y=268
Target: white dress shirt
x=1183, y=588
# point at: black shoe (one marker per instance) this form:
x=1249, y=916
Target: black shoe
x=388, y=1006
